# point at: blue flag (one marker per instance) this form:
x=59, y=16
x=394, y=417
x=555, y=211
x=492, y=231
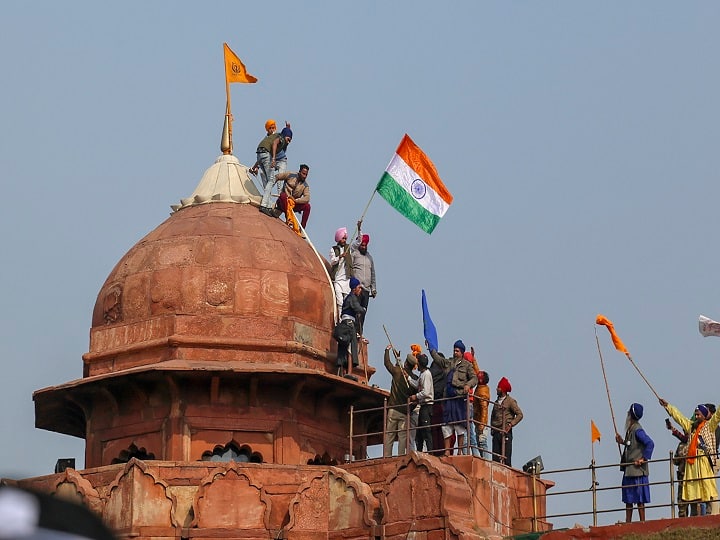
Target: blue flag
x=428, y=327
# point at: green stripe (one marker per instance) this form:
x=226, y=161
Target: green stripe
x=406, y=204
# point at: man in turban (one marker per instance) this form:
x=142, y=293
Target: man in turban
x=506, y=414
x=340, y=267
x=363, y=268
x=637, y=451
x=699, y=481
x=460, y=379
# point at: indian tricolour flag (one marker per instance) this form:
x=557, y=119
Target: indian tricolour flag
x=413, y=187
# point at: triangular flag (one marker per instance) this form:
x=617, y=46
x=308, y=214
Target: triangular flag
x=619, y=345
x=234, y=68
x=594, y=432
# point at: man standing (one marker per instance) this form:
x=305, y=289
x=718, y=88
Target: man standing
x=460, y=379
x=637, y=451
x=346, y=330
x=363, y=269
x=340, y=267
x=506, y=414
x=400, y=391
x=424, y=398
x=699, y=482
x=267, y=152
x=295, y=187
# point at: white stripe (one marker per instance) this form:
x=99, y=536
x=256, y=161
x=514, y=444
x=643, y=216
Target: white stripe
x=405, y=176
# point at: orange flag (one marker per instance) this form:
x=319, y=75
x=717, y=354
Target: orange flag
x=594, y=432
x=619, y=345
x=234, y=68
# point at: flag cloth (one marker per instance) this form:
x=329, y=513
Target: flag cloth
x=429, y=329
x=708, y=327
x=234, y=68
x=412, y=186
x=619, y=345
x=594, y=432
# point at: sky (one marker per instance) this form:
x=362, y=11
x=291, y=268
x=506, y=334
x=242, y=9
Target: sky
x=579, y=141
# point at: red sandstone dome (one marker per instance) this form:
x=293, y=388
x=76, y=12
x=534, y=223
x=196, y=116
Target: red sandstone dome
x=213, y=276
x=213, y=336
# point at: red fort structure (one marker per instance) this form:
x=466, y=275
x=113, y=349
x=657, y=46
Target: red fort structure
x=211, y=407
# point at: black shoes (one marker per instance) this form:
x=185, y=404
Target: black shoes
x=272, y=212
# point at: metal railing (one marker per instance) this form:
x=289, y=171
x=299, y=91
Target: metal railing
x=672, y=502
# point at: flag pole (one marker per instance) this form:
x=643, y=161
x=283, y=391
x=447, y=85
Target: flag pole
x=607, y=387
x=228, y=108
x=641, y=375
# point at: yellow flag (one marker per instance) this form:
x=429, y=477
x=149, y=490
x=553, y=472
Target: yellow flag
x=234, y=68
x=619, y=345
x=594, y=432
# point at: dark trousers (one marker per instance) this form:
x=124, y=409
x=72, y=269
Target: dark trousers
x=364, y=301
x=299, y=207
x=423, y=433
x=342, y=352
x=497, y=447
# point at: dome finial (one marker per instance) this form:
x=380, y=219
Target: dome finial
x=226, y=140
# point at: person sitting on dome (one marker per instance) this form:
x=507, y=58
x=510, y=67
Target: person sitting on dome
x=295, y=187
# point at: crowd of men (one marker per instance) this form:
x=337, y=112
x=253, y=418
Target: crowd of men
x=438, y=404
x=437, y=399
x=696, y=459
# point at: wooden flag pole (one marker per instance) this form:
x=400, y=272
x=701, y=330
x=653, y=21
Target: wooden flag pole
x=607, y=387
x=641, y=375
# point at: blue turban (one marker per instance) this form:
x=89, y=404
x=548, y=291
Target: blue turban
x=459, y=345
x=354, y=282
x=636, y=410
x=286, y=132
x=703, y=410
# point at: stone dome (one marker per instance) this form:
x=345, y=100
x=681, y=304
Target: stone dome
x=218, y=282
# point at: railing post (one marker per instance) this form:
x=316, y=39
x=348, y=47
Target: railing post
x=672, y=488
x=385, y=414
x=407, y=426
x=534, y=496
x=468, y=420
x=351, y=431
x=594, y=491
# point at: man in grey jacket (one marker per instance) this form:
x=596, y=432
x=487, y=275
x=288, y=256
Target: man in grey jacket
x=363, y=268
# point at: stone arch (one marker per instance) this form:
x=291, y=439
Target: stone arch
x=232, y=452
x=131, y=452
x=325, y=459
x=422, y=489
x=71, y=485
x=138, y=498
x=333, y=501
x=230, y=499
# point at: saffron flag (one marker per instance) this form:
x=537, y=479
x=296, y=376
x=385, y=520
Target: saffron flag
x=619, y=345
x=594, y=432
x=429, y=329
x=234, y=68
x=708, y=327
x=412, y=186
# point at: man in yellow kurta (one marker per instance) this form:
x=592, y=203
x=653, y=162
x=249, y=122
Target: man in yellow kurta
x=699, y=482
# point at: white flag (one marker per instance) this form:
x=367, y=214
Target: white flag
x=708, y=327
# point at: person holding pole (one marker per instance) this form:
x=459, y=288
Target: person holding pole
x=637, y=451
x=400, y=391
x=699, y=482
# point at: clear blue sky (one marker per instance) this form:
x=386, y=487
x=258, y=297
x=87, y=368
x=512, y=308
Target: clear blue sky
x=579, y=140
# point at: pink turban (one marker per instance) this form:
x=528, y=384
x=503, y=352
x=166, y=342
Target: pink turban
x=365, y=239
x=340, y=234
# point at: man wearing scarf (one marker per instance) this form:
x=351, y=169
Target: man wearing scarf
x=699, y=481
x=637, y=451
